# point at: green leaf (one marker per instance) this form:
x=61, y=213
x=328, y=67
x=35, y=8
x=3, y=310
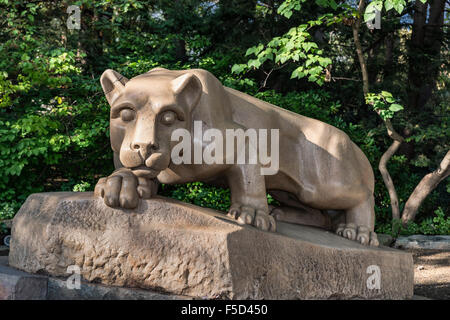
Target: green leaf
x=324, y=61
x=238, y=68
x=369, y=16
x=399, y=5
x=250, y=51
x=298, y=73
x=388, y=5
x=390, y=100
x=395, y=107
x=333, y=4
x=371, y=9
x=255, y=63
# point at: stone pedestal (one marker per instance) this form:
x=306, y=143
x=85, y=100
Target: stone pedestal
x=177, y=248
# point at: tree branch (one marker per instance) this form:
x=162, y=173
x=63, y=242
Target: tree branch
x=387, y=177
x=362, y=61
x=382, y=166
x=424, y=188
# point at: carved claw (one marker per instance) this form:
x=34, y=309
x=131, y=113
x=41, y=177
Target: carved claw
x=362, y=234
x=340, y=229
x=264, y=221
x=373, y=239
x=248, y=215
x=234, y=211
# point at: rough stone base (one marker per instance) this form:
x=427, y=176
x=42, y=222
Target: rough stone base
x=182, y=249
x=19, y=285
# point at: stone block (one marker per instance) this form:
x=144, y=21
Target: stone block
x=177, y=248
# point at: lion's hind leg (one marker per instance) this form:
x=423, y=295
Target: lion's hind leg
x=359, y=223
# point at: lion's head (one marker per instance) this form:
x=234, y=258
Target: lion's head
x=144, y=112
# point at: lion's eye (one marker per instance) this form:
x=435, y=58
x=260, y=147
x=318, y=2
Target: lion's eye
x=168, y=117
x=127, y=115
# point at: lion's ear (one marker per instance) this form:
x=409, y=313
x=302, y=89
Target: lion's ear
x=113, y=83
x=188, y=88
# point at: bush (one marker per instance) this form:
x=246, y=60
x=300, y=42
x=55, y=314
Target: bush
x=439, y=223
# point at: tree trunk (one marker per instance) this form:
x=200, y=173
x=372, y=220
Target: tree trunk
x=424, y=50
x=362, y=61
x=388, y=56
x=424, y=188
x=382, y=166
x=388, y=180
x=415, y=53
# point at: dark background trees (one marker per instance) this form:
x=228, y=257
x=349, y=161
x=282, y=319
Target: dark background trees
x=54, y=118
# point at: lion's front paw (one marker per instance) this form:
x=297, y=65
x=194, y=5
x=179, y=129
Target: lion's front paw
x=249, y=215
x=123, y=189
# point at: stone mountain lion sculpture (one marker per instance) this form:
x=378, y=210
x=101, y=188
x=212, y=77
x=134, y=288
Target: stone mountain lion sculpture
x=320, y=168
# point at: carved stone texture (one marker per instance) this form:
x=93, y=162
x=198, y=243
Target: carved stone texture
x=169, y=246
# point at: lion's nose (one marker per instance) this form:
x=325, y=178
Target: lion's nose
x=144, y=147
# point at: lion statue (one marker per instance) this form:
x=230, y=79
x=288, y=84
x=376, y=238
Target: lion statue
x=323, y=178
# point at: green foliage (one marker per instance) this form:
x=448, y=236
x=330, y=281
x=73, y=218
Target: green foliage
x=287, y=7
x=397, y=5
x=384, y=104
x=297, y=46
x=437, y=224
x=3, y=228
x=199, y=194
x=202, y=195
x=8, y=210
x=369, y=14
x=81, y=187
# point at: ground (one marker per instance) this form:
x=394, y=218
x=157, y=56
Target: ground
x=432, y=273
